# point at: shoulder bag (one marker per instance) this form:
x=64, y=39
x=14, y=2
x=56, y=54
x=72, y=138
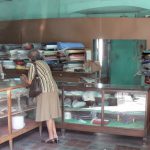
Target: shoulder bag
x=35, y=87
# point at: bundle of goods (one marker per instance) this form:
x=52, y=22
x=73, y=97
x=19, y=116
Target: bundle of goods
x=99, y=121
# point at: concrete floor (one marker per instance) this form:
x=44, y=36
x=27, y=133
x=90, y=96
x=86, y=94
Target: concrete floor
x=77, y=141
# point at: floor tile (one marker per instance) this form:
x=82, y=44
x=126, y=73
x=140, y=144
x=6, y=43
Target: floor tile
x=74, y=140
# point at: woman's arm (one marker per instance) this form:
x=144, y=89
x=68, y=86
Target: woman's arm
x=25, y=80
x=28, y=79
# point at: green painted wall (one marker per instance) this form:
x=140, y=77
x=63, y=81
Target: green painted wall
x=29, y=9
x=69, y=7
x=34, y=9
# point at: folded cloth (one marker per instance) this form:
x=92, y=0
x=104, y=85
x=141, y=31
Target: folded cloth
x=78, y=104
x=89, y=96
x=99, y=121
x=145, y=61
x=69, y=45
x=67, y=102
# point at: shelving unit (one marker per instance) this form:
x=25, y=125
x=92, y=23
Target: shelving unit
x=73, y=59
x=56, y=59
x=7, y=133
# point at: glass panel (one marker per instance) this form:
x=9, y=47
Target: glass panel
x=82, y=107
x=125, y=109
x=3, y=105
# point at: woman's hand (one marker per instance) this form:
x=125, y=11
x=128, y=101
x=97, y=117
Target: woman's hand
x=24, y=79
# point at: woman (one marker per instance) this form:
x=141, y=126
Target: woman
x=48, y=106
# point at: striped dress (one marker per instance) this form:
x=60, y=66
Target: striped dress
x=48, y=104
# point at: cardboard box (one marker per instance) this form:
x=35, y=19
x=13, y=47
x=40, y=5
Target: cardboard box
x=92, y=66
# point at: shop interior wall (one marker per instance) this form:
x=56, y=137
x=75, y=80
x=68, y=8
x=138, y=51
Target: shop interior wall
x=74, y=30
x=29, y=9
x=10, y=32
x=86, y=29
x=40, y=9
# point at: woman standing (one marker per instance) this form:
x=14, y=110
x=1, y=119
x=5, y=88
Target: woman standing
x=48, y=105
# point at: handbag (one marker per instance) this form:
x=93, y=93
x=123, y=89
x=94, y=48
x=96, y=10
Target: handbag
x=35, y=87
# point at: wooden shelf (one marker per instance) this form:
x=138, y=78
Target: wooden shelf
x=29, y=125
x=70, y=61
x=4, y=135
x=24, y=110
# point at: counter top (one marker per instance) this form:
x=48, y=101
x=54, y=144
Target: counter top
x=105, y=86
x=9, y=84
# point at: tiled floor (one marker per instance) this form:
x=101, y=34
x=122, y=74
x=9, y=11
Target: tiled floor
x=77, y=141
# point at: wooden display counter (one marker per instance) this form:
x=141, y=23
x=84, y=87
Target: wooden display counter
x=7, y=133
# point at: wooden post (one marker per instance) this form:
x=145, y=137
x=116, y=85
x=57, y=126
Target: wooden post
x=9, y=103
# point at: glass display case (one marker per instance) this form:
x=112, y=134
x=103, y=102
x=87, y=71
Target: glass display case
x=110, y=109
x=16, y=111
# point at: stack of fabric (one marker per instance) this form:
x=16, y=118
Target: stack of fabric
x=18, y=54
x=9, y=64
x=72, y=66
x=4, y=55
x=75, y=55
x=51, y=57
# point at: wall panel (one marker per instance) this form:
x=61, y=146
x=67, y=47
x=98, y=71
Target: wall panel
x=32, y=31
x=74, y=30
x=85, y=29
x=10, y=32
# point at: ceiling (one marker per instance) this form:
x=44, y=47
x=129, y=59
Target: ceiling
x=25, y=9
x=115, y=10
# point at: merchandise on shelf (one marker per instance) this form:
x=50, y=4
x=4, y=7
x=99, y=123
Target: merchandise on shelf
x=146, y=66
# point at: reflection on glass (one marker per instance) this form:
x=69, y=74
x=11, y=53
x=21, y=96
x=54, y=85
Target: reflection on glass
x=125, y=110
